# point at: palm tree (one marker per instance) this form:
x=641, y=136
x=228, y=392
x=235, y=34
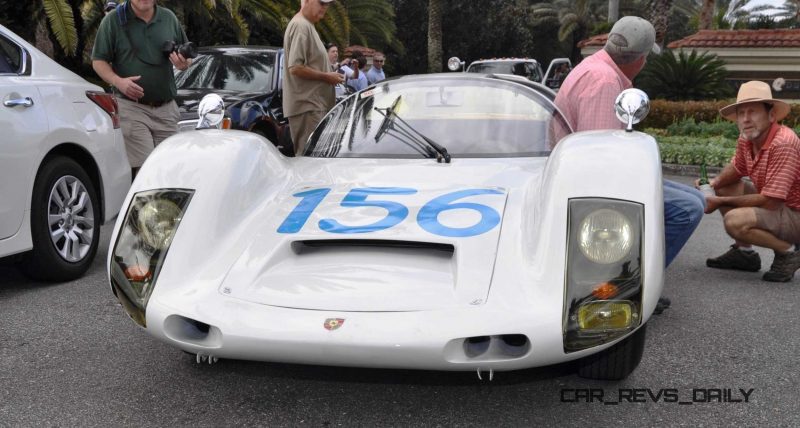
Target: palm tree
x=372, y=24
x=58, y=14
x=368, y=22
x=660, y=18
x=790, y=9
x=706, y=14
x=435, y=36
x=613, y=11
x=575, y=19
x=685, y=77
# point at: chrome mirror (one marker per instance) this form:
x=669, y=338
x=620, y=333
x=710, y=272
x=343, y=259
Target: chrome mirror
x=632, y=106
x=211, y=111
x=455, y=64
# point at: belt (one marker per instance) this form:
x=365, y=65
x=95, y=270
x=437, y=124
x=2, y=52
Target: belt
x=146, y=103
x=153, y=103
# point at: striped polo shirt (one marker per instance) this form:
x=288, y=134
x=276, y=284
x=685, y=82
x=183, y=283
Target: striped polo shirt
x=775, y=169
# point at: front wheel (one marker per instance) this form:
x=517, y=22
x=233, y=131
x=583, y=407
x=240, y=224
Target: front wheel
x=65, y=222
x=616, y=362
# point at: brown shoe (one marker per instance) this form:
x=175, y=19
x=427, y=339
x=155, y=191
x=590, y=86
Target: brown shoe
x=736, y=259
x=783, y=267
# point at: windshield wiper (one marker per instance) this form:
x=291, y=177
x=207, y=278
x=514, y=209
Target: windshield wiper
x=389, y=117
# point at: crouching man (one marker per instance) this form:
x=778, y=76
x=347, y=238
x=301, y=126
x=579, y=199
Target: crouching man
x=764, y=211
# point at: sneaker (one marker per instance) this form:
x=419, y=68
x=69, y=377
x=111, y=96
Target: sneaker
x=736, y=259
x=783, y=267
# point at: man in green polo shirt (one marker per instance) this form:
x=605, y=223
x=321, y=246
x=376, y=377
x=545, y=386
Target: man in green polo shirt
x=128, y=55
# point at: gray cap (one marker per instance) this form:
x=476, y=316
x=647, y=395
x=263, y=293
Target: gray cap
x=632, y=34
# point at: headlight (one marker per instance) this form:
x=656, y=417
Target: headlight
x=605, y=236
x=157, y=222
x=603, y=291
x=142, y=244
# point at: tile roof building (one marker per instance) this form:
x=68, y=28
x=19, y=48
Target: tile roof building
x=771, y=55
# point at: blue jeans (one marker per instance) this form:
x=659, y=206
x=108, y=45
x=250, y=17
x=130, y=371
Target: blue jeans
x=683, y=209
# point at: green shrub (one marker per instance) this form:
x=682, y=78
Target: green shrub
x=664, y=113
x=689, y=127
x=685, y=76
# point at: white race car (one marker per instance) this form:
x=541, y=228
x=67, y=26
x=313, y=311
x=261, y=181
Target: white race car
x=428, y=226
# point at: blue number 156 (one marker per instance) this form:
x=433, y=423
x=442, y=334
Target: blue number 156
x=396, y=212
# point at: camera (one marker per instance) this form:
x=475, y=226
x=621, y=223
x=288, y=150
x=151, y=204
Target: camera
x=188, y=50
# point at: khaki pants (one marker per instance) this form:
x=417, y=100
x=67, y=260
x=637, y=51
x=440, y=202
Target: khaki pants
x=145, y=127
x=784, y=222
x=301, y=126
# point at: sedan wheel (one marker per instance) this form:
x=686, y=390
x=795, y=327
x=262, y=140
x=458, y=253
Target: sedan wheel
x=71, y=219
x=65, y=224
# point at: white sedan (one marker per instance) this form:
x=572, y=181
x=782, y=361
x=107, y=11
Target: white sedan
x=429, y=225
x=63, y=167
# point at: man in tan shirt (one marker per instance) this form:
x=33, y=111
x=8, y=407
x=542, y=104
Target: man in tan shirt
x=308, y=82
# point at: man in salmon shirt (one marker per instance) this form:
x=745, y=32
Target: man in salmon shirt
x=765, y=210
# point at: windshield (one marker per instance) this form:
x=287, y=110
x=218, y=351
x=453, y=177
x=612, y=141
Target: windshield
x=236, y=71
x=471, y=117
x=526, y=69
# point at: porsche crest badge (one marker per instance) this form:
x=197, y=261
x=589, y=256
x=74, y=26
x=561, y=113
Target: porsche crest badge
x=333, y=323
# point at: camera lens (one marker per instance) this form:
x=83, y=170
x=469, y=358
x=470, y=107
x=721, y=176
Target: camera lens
x=187, y=50
x=167, y=47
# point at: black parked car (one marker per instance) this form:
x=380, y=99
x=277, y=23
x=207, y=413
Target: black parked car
x=248, y=79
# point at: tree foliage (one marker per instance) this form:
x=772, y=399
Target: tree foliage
x=693, y=76
x=575, y=19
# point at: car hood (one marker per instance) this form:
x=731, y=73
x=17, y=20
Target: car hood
x=395, y=249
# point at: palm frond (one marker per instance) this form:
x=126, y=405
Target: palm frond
x=62, y=23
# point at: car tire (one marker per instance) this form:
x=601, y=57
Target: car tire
x=64, y=249
x=616, y=362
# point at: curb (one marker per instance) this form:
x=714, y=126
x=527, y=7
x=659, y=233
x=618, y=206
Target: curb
x=687, y=170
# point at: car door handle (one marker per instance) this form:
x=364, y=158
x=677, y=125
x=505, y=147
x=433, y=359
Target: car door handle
x=25, y=102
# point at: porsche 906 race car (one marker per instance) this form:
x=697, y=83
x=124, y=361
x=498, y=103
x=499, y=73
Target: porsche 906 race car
x=428, y=226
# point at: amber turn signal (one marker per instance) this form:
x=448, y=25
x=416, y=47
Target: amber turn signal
x=605, y=291
x=138, y=273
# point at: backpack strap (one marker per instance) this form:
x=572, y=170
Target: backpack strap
x=122, y=13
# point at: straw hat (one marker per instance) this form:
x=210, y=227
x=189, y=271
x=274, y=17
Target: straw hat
x=752, y=92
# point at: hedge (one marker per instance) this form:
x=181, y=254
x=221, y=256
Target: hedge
x=664, y=113
x=690, y=143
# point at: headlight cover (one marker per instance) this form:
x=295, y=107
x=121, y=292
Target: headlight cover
x=146, y=234
x=603, y=290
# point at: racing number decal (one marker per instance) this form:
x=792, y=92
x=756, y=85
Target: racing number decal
x=396, y=212
x=297, y=218
x=428, y=217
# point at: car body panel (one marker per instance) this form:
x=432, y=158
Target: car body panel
x=62, y=119
x=229, y=266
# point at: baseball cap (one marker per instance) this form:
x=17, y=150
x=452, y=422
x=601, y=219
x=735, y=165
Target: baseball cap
x=631, y=34
x=110, y=5
x=327, y=1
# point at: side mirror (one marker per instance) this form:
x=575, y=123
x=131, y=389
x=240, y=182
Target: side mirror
x=455, y=64
x=631, y=107
x=211, y=111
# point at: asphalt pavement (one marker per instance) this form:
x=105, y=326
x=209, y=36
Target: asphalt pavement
x=725, y=353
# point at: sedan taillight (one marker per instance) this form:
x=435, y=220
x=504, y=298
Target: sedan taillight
x=108, y=103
